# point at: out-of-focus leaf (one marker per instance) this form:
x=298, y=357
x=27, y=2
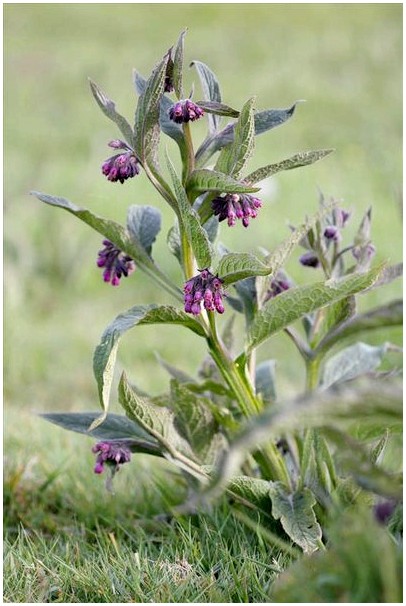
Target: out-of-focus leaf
x=265, y=381
x=218, y=109
x=178, y=65
x=108, y=107
x=295, y=511
x=352, y=362
x=144, y=224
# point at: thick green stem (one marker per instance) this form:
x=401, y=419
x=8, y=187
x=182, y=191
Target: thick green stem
x=312, y=373
x=189, y=165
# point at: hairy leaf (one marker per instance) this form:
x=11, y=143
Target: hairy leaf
x=265, y=381
x=178, y=65
x=352, y=362
x=291, y=305
x=295, y=511
x=204, y=180
x=237, y=266
x=106, y=352
x=144, y=224
x=234, y=157
x=219, y=109
x=296, y=161
x=211, y=89
x=114, y=427
x=109, y=109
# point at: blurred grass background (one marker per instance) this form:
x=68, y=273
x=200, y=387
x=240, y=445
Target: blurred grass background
x=343, y=59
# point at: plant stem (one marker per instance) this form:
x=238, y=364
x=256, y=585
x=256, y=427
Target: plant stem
x=312, y=373
x=189, y=165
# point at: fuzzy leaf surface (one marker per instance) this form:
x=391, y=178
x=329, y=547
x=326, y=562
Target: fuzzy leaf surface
x=234, y=157
x=265, y=381
x=106, y=352
x=144, y=224
x=108, y=108
x=114, y=427
x=352, y=362
x=295, y=511
x=291, y=305
x=238, y=266
x=211, y=90
x=178, y=50
x=203, y=180
x=298, y=160
x=218, y=109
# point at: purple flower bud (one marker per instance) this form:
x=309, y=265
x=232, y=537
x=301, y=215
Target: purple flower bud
x=204, y=288
x=236, y=206
x=332, y=232
x=115, y=262
x=278, y=285
x=309, y=259
x=185, y=111
x=383, y=511
x=364, y=254
x=111, y=453
x=122, y=166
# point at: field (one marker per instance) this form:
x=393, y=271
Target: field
x=68, y=540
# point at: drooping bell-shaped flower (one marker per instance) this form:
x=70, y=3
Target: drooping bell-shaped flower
x=115, y=263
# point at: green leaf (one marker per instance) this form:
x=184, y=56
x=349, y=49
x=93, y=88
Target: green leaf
x=211, y=89
x=234, y=157
x=265, y=381
x=109, y=109
x=219, y=109
x=352, y=362
x=263, y=121
x=291, y=305
x=106, y=352
x=114, y=427
x=390, y=314
x=178, y=65
x=156, y=421
x=195, y=422
x=295, y=511
x=296, y=161
x=238, y=266
x=329, y=318
x=253, y=490
x=196, y=235
x=146, y=127
x=144, y=224
x=173, y=241
x=204, y=180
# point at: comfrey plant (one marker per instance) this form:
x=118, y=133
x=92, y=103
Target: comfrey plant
x=292, y=462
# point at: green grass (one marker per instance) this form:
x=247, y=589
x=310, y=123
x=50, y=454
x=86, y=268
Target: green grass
x=345, y=60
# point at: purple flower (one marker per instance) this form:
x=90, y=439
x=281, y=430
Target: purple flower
x=363, y=254
x=383, y=511
x=116, y=264
x=236, y=206
x=309, y=259
x=278, y=285
x=112, y=453
x=204, y=288
x=122, y=166
x=332, y=233
x=185, y=111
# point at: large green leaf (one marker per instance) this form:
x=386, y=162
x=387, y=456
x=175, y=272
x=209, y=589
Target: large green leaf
x=197, y=236
x=144, y=224
x=263, y=121
x=295, y=511
x=238, y=266
x=106, y=352
x=211, y=89
x=177, y=56
x=291, y=305
x=114, y=427
x=109, y=109
x=234, y=157
x=296, y=161
x=218, y=109
x=351, y=362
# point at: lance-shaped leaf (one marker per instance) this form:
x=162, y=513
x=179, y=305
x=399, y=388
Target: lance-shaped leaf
x=387, y=315
x=265, y=381
x=238, y=266
x=291, y=305
x=144, y=224
x=211, y=89
x=263, y=121
x=296, y=161
x=114, y=427
x=234, y=157
x=106, y=352
x=109, y=109
x=117, y=234
x=177, y=56
x=196, y=235
x=203, y=180
x=219, y=109
x=351, y=362
x=146, y=127
x=295, y=511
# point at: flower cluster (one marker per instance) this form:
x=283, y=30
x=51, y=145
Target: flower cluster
x=121, y=166
x=185, y=111
x=111, y=453
x=116, y=264
x=204, y=288
x=236, y=206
